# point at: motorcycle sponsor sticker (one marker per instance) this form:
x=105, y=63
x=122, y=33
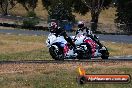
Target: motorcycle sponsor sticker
x=101, y=78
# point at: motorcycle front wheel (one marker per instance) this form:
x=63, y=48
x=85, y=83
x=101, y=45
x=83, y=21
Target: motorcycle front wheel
x=57, y=54
x=105, y=54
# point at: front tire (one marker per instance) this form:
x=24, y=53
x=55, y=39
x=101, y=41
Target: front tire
x=105, y=54
x=57, y=54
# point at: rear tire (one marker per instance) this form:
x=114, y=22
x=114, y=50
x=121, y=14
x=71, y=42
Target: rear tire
x=85, y=53
x=56, y=54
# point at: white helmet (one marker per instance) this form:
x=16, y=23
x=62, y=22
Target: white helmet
x=80, y=24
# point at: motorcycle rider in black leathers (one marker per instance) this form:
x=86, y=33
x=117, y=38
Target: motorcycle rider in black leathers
x=87, y=32
x=54, y=28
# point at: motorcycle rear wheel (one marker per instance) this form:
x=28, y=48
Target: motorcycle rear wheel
x=85, y=54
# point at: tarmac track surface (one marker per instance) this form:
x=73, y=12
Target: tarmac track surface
x=65, y=61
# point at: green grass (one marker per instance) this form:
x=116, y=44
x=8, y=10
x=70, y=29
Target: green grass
x=59, y=78
x=119, y=49
x=23, y=38
x=41, y=54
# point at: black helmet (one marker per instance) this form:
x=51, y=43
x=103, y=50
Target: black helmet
x=80, y=24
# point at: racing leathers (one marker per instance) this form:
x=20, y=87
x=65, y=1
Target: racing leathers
x=61, y=32
x=87, y=32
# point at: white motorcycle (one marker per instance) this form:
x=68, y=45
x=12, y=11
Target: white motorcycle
x=86, y=48
x=59, y=48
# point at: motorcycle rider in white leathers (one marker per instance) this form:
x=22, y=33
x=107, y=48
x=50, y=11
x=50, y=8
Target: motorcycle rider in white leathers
x=54, y=28
x=83, y=30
